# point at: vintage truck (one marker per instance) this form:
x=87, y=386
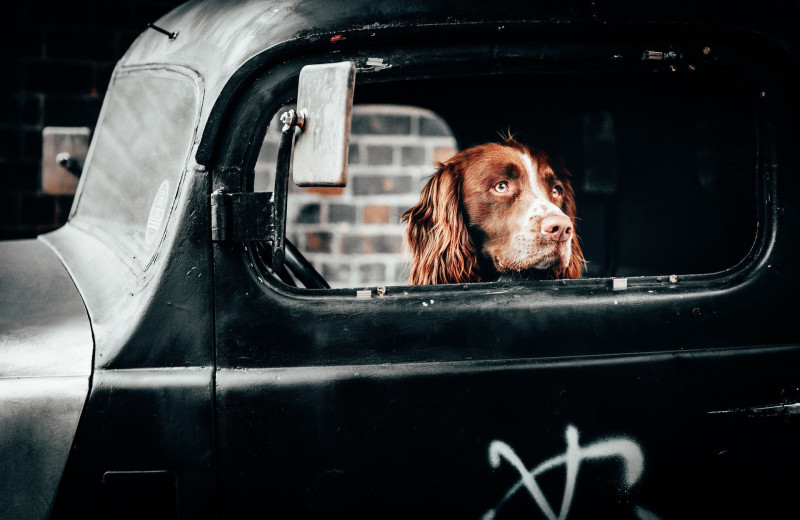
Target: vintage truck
x=168, y=354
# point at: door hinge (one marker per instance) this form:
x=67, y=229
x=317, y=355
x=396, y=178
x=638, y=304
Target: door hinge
x=242, y=216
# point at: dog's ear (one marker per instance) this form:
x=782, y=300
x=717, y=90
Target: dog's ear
x=441, y=248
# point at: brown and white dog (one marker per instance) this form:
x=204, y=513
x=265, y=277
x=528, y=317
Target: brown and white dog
x=491, y=211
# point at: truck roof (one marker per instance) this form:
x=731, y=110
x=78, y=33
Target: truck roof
x=226, y=41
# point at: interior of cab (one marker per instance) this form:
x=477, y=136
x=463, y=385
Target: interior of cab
x=664, y=163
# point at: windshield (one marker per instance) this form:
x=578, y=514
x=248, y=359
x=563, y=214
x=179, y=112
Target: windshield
x=137, y=160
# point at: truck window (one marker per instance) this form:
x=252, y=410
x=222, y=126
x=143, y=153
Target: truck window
x=129, y=184
x=663, y=167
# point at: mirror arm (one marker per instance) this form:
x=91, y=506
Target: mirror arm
x=291, y=121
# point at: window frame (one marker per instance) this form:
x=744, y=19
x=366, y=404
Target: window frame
x=586, y=316
x=427, y=62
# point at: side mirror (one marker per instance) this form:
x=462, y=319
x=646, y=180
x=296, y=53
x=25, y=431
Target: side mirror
x=324, y=107
x=317, y=155
x=314, y=145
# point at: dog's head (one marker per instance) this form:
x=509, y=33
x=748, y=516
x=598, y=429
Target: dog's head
x=494, y=209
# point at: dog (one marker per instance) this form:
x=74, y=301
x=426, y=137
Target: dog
x=494, y=211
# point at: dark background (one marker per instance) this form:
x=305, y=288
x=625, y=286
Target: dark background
x=56, y=60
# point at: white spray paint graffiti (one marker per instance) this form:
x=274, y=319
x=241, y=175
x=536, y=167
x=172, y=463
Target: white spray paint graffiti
x=618, y=447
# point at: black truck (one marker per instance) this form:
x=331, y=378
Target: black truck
x=169, y=353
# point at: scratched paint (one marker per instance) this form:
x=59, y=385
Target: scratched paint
x=626, y=450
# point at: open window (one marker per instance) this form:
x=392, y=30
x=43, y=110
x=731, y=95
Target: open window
x=663, y=153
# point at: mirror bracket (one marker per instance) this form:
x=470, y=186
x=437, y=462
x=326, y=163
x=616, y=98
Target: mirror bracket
x=325, y=99
x=291, y=122
x=260, y=215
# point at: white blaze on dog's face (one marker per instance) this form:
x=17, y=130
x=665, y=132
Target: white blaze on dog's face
x=520, y=209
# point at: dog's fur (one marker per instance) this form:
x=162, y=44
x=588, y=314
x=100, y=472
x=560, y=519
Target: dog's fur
x=491, y=211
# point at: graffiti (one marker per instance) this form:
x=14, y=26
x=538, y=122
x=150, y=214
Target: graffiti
x=618, y=447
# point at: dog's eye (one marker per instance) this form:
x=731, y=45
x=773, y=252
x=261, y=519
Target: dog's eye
x=501, y=187
x=557, y=191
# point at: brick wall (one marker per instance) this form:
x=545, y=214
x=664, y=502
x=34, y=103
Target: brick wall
x=56, y=60
x=353, y=235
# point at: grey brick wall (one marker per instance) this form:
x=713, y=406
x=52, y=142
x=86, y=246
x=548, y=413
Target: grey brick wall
x=353, y=235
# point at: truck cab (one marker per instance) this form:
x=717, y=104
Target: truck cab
x=174, y=351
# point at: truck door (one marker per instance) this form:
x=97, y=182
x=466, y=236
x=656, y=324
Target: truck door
x=634, y=392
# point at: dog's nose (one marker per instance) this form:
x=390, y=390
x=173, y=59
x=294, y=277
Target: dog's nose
x=557, y=227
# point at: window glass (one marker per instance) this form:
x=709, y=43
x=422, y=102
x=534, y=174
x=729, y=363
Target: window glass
x=137, y=159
